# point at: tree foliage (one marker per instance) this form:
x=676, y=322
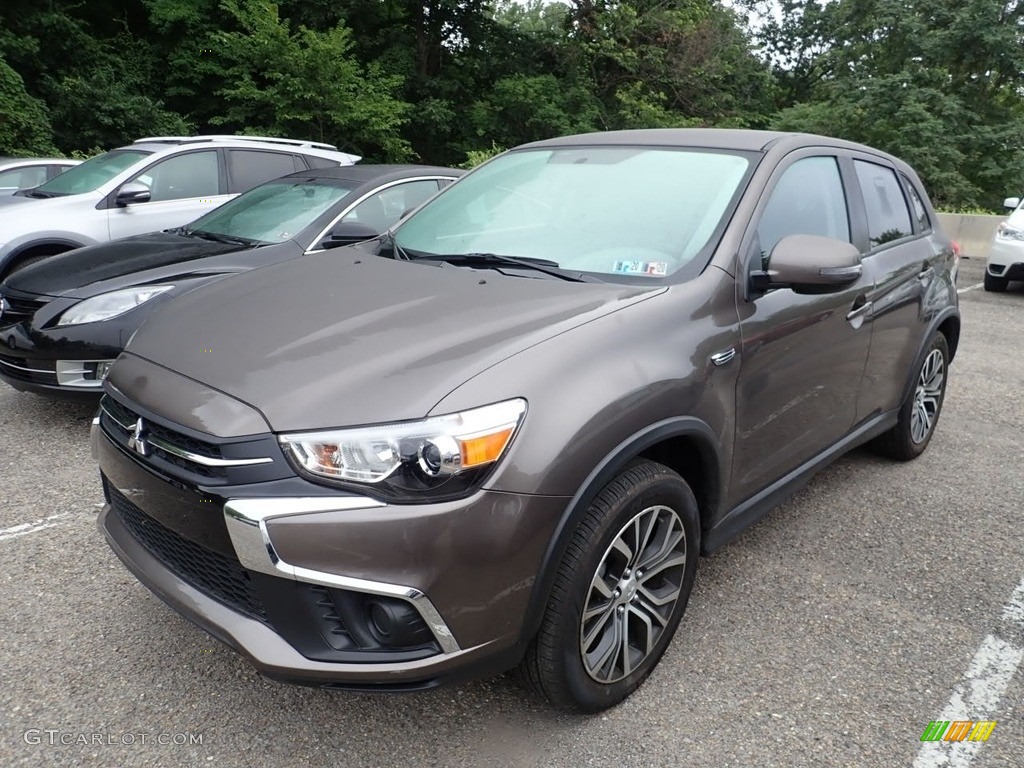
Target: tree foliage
x=937, y=82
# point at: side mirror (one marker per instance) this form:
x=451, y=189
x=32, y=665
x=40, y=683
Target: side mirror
x=1011, y=202
x=809, y=264
x=348, y=233
x=132, y=192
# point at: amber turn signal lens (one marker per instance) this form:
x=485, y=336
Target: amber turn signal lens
x=484, y=449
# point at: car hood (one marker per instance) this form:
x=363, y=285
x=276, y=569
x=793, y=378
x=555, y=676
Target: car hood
x=102, y=263
x=7, y=202
x=344, y=338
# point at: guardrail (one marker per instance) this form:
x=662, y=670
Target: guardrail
x=973, y=232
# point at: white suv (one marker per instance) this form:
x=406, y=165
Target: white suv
x=153, y=184
x=1006, y=257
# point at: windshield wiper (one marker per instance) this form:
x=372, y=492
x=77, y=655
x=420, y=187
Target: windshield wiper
x=498, y=260
x=217, y=237
x=35, y=193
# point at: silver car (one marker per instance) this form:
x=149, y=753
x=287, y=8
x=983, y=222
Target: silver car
x=153, y=184
x=27, y=172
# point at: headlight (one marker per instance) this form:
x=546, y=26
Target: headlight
x=443, y=456
x=108, y=305
x=1007, y=232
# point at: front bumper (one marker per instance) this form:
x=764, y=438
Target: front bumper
x=466, y=568
x=59, y=361
x=1006, y=259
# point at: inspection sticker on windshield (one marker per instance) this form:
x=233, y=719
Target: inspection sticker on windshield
x=656, y=268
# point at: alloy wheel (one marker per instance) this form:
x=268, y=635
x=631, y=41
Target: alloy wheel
x=927, y=396
x=633, y=594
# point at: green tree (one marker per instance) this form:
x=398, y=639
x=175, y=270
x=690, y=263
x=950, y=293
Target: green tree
x=306, y=84
x=24, y=122
x=937, y=82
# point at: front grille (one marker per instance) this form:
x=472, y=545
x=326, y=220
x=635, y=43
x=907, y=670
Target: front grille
x=218, y=576
x=119, y=420
x=19, y=309
x=27, y=369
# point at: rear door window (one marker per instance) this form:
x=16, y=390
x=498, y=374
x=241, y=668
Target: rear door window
x=249, y=168
x=888, y=215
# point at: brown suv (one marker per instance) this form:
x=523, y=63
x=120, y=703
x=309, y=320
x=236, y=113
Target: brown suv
x=503, y=433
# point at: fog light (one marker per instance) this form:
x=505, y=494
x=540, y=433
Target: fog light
x=102, y=369
x=396, y=624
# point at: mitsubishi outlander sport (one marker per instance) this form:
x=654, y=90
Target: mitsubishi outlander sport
x=503, y=433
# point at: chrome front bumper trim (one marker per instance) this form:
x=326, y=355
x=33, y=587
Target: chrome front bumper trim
x=246, y=521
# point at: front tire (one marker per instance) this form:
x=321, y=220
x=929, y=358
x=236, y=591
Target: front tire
x=995, y=284
x=620, y=591
x=919, y=413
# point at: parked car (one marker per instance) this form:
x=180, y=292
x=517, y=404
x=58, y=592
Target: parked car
x=150, y=185
x=24, y=172
x=1005, y=260
x=502, y=434
x=64, y=320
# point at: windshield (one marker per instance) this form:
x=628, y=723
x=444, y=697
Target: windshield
x=608, y=210
x=93, y=173
x=273, y=212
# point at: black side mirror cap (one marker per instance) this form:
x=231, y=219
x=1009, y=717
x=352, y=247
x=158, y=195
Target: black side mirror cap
x=348, y=233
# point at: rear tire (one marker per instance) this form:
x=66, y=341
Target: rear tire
x=920, y=412
x=995, y=284
x=619, y=593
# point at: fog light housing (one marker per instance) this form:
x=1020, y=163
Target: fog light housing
x=85, y=374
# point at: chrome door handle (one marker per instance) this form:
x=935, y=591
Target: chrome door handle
x=723, y=357
x=863, y=309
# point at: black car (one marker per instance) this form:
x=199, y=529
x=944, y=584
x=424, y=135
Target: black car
x=65, y=319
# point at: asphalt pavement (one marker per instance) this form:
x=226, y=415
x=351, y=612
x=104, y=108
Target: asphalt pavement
x=882, y=597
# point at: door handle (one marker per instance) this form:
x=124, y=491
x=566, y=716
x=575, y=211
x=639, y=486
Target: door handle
x=723, y=357
x=859, y=309
x=926, y=271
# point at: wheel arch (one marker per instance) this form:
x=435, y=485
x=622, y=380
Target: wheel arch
x=48, y=246
x=684, y=444
x=948, y=324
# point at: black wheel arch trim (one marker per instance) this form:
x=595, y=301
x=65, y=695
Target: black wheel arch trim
x=611, y=465
x=14, y=255
x=933, y=327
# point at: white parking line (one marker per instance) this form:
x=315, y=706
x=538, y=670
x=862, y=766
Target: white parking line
x=978, y=696
x=27, y=528
x=974, y=287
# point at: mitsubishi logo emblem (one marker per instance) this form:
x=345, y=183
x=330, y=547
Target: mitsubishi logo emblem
x=136, y=441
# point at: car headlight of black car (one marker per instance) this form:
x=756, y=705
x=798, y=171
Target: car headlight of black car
x=438, y=457
x=108, y=305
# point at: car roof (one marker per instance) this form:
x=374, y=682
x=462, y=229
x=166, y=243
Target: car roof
x=5, y=161
x=709, y=138
x=319, y=149
x=362, y=174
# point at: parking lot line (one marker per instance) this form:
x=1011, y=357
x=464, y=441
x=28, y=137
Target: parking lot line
x=24, y=529
x=974, y=287
x=978, y=696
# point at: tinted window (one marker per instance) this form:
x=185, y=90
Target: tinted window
x=888, y=217
x=250, y=169
x=628, y=211
x=917, y=206
x=93, y=173
x=807, y=200
x=385, y=208
x=182, y=176
x=22, y=178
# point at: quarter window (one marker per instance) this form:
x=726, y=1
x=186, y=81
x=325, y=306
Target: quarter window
x=807, y=200
x=917, y=205
x=888, y=216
